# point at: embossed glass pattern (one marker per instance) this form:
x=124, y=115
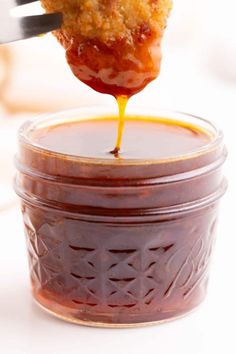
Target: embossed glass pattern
x=96, y=262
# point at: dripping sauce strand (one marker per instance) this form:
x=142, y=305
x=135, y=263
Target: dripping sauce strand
x=92, y=62
x=122, y=104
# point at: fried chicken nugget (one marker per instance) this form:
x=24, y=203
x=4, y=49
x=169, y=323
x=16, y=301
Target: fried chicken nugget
x=112, y=45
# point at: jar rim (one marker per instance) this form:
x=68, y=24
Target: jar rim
x=105, y=111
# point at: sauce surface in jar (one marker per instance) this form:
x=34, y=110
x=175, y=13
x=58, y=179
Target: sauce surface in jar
x=144, y=138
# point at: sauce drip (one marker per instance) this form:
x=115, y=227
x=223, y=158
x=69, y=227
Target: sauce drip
x=122, y=103
x=122, y=70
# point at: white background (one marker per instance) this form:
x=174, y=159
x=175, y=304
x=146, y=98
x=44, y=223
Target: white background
x=198, y=76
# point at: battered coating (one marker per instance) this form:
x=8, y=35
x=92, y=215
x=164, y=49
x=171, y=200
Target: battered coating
x=112, y=45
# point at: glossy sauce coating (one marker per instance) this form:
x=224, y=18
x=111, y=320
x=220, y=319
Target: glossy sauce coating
x=112, y=46
x=122, y=69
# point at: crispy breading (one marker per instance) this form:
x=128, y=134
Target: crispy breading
x=123, y=24
x=109, y=20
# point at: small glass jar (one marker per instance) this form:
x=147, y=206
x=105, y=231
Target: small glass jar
x=119, y=243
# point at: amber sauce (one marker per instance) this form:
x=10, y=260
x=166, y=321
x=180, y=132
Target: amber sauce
x=122, y=103
x=144, y=137
x=121, y=70
x=98, y=248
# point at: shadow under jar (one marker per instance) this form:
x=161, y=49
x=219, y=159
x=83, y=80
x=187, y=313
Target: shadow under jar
x=119, y=241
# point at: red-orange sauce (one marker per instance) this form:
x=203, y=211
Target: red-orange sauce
x=144, y=138
x=121, y=69
x=102, y=246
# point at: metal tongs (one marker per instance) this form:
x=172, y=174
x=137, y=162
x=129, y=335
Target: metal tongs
x=15, y=28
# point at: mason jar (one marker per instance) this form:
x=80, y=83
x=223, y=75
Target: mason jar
x=122, y=242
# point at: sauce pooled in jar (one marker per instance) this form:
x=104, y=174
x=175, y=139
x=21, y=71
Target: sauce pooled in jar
x=119, y=241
